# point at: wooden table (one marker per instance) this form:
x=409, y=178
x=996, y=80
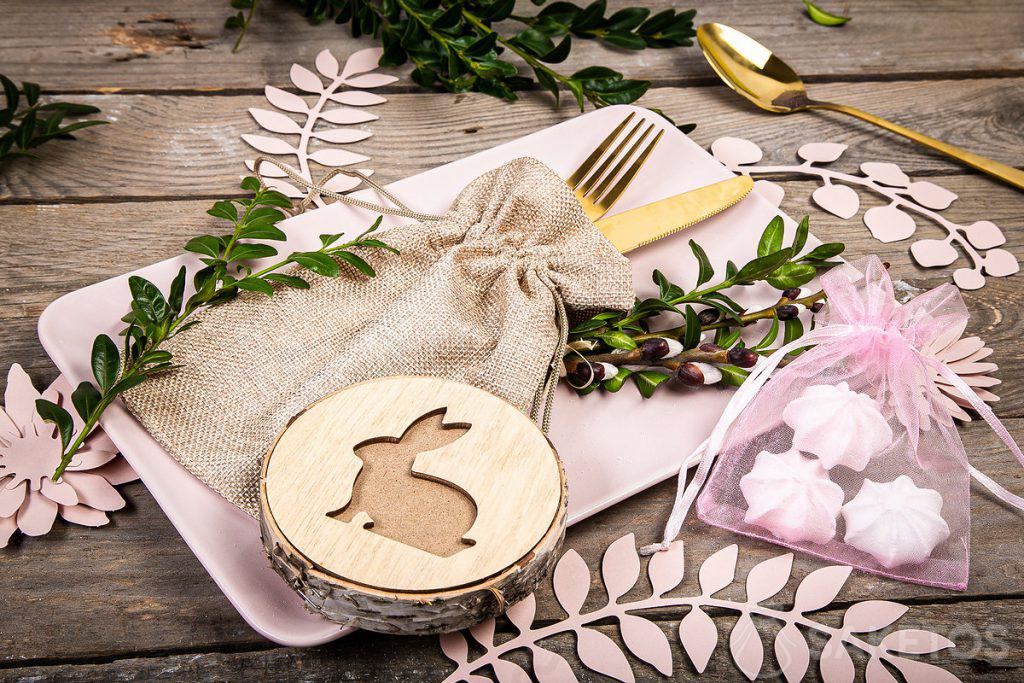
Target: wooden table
x=130, y=601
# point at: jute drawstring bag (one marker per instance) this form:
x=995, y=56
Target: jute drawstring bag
x=483, y=295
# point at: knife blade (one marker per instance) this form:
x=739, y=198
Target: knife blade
x=645, y=224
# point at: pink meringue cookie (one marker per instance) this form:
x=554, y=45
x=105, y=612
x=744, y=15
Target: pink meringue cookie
x=895, y=522
x=792, y=497
x=840, y=426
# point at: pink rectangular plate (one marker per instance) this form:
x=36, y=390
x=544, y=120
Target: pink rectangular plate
x=613, y=445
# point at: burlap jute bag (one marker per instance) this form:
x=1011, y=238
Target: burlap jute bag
x=483, y=295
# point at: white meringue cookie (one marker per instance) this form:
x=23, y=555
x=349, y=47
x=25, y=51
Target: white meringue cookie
x=792, y=497
x=840, y=426
x=895, y=522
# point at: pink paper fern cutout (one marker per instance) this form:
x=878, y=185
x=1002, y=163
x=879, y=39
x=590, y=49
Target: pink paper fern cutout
x=891, y=223
x=341, y=121
x=30, y=451
x=697, y=632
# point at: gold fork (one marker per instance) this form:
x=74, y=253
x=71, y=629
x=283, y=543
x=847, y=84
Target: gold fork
x=592, y=189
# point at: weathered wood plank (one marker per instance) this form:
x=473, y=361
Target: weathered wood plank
x=148, y=45
x=136, y=588
x=175, y=146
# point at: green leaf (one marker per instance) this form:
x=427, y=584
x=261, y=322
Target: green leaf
x=826, y=251
x=321, y=264
x=158, y=356
x=356, y=262
x=792, y=275
x=128, y=383
x=85, y=399
x=618, y=340
x=705, y=271
x=250, y=183
x=53, y=413
x=762, y=267
x=648, y=380
x=274, y=198
x=147, y=298
x=261, y=231
x=732, y=375
x=769, y=338
x=177, y=292
x=255, y=284
x=692, y=336
x=208, y=245
x=288, y=280
x=377, y=244
x=224, y=209
x=587, y=326
x=105, y=361
x=31, y=91
x=10, y=93
x=800, y=239
x=264, y=214
x=249, y=252
x=771, y=238
x=820, y=16
x=616, y=382
x=792, y=330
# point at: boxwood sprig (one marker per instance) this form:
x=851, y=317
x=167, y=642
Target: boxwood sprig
x=155, y=318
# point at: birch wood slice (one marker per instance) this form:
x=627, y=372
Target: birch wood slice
x=412, y=505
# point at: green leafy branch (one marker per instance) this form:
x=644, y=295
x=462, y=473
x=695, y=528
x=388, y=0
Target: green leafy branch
x=37, y=122
x=155, y=318
x=604, y=350
x=454, y=46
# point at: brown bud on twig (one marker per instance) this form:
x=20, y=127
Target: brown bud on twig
x=793, y=293
x=690, y=375
x=787, y=312
x=709, y=316
x=817, y=306
x=742, y=357
x=710, y=347
x=654, y=349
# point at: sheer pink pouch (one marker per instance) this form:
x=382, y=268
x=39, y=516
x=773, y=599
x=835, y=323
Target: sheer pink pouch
x=849, y=452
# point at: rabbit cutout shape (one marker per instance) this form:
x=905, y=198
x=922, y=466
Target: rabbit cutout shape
x=392, y=500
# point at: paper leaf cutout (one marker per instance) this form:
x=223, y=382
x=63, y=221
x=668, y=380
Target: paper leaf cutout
x=819, y=588
x=620, y=567
x=836, y=665
x=872, y=615
x=718, y=571
x=549, y=667
x=746, y=647
x=736, y=151
x=509, y=672
x=1000, y=263
x=600, y=653
x=792, y=652
x=304, y=79
x=885, y=173
x=521, y=613
x=915, y=642
x=888, y=224
x=769, y=577
x=821, y=152
x=320, y=110
x=666, y=569
x=906, y=199
x=984, y=235
x=326, y=64
x=837, y=199
x=699, y=636
x=572, y=582
x=644, y=639
x=931, y=195
x=647, y=641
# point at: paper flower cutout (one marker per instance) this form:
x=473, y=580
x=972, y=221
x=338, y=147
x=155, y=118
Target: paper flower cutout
x=963, y=356
x=892, y=222
x=896, y=522
x=792, y=497
x=354, y=74
x=30, y=451
x=698, y=631
x=840, y=426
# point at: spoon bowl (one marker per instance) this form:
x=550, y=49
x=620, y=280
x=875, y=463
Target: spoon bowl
x=752, y=70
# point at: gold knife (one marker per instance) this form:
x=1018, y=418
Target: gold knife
x=645, y=224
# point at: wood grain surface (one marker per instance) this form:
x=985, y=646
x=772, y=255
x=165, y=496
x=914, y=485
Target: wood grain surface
x=130, y=602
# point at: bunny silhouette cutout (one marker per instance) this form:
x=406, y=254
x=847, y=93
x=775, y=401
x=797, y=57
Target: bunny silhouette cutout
x=411, y=508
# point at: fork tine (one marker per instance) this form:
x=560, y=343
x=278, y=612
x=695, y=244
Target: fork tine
x=623, y=159
x=583, y=189
x=605, y=202
x=584, y=168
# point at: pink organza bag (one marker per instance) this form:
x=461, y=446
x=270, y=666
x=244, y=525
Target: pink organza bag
x=849, y=453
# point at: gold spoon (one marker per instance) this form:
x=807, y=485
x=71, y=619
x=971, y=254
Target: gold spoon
x=753, y=71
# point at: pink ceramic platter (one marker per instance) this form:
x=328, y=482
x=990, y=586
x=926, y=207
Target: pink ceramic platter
x=613, y=445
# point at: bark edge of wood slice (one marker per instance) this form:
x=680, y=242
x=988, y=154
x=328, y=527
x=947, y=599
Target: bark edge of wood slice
x=412, y=505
